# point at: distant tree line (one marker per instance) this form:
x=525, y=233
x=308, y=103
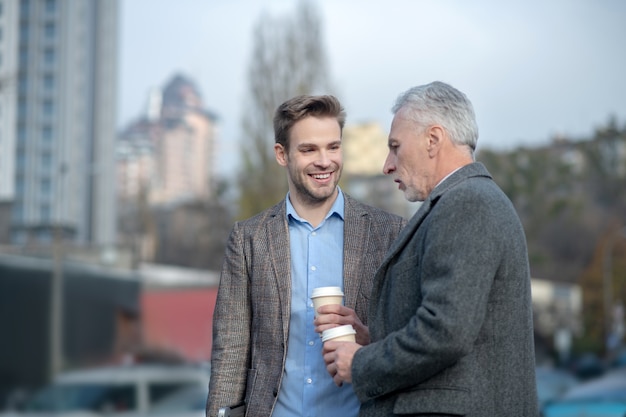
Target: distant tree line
x=571, y=197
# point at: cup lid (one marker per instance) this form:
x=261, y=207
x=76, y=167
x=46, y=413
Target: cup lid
x=326, y=291
x=337, y=331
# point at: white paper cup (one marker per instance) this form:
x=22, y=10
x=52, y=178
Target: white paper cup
x=345, y=333
x=322, y=296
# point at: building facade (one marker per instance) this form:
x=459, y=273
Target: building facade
x=167, y=156
x=365, y=149
x=58, y=119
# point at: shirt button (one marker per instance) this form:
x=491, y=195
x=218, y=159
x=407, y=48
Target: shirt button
x=309, y=381
x=311, y=342
x=314, y=234
x=313, y=268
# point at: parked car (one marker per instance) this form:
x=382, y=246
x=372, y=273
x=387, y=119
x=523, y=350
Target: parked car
x=601, y=397
x=186, y=402
x=552, y=383
x=113, y=391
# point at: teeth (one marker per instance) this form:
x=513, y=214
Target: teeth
x=321, y=176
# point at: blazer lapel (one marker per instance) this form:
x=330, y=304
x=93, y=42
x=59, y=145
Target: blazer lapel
x=356, y=238
x=277, y=233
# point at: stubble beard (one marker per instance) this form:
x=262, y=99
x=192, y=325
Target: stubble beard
x=316, y=196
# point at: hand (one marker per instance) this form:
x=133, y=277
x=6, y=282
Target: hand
x=333, y=315
x=338, y=359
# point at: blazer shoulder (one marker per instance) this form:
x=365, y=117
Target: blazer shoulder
x=377, y=214
x=266, y=215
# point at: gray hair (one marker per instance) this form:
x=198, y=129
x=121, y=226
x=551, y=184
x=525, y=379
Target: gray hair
x=442, y=104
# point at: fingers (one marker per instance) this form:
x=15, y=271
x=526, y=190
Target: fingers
x=329, y=316
x=331, y=367
x=338, y=359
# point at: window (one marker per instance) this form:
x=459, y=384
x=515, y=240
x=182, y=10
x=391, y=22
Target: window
x=24, y=7
x=46, y=186
x=24, y=32
x=48, y=82
x=45, y=213
x=49, y=30
x=51, y=6
x=46, y=161
x=97, y=397
x=158, y=390
x=18, y=212
x=21, y=108
x=46, y=134
x=49, y=56
x=22, y=84
x=23, y=57
x=21, y=133
x=47, y=107
x=19, y=186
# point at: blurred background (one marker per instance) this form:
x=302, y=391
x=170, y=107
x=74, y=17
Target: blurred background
x=133, y=133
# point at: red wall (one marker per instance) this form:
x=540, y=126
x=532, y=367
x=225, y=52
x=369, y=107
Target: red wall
x=179, y=320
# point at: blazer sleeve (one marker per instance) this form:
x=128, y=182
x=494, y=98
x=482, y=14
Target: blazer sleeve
x=231, y=328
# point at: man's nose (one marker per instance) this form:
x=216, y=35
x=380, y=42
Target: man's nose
x=389, y=166
x=323, y=159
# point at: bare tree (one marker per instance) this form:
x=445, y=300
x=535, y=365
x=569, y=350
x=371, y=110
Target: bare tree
x=288, y=59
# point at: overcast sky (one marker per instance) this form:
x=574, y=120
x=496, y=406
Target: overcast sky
x=533, y=69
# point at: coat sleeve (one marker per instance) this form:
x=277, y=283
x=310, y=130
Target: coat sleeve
x=230, y=354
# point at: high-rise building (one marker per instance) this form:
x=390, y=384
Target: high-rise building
x=58, y=59
x=8, y=82
x=168, y=154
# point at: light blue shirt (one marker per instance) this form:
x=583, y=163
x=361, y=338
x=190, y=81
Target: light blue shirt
x=307, y=389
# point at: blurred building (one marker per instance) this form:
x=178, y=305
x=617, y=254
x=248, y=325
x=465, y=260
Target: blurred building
x=167, y=156
x=60, y=314
x=364, y=153
x=557, y=315
x=58, y=69
x=177, y=310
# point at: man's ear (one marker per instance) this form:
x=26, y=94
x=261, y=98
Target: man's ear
x=281, y=154
x=436, y=135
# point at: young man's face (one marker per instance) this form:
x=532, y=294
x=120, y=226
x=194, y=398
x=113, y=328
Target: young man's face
x=314, y=160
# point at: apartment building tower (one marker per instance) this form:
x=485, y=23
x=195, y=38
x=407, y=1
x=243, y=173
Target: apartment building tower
x=58, y=68
x=168, y=153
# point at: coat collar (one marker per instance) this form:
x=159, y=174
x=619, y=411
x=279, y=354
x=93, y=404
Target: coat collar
x=475, y=169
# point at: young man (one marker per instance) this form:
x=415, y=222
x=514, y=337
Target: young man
x=266, y=351
x=451, y=313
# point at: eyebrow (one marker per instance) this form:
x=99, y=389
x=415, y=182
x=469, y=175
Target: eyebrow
x=314, y=145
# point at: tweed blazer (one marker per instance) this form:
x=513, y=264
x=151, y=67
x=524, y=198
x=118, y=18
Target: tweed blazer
x=451, y=314
x=251, y=318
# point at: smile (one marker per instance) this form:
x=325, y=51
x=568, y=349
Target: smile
x=320, y=176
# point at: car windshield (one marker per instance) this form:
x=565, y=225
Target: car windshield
x=192, y=398
x=605, y=389
x=88, y=397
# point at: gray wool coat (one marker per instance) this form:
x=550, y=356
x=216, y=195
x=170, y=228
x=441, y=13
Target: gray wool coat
x=251, y=318
x=451, y=314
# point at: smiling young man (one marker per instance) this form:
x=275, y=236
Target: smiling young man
x=266, y=351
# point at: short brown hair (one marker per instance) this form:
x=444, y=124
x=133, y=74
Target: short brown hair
x=299, y=107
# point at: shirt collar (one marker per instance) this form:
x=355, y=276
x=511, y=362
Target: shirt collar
x=337, y=207
x=446, y=177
